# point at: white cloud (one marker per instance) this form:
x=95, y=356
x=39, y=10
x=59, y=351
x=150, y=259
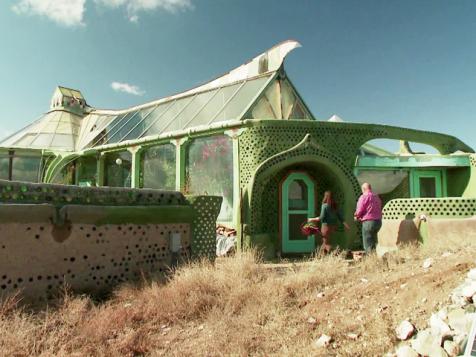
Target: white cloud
x=134, y=7
x=127, y=88
x=64, y=12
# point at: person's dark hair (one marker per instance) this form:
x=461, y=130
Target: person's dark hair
x=329, y=200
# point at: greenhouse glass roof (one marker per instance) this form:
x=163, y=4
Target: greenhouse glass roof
x=256, y=89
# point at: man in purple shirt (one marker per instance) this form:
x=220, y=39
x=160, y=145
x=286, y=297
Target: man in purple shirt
x=369, y=212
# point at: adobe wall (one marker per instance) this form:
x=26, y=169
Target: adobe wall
x=93, y=247
x=426, y=220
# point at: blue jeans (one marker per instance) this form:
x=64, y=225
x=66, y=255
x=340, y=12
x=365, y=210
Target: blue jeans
x=369, y=234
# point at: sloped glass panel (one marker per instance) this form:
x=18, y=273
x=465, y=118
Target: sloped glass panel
x=225, y=94
x=191, y=110
x=209, y=171
x=25, y=140
x=148, y=121
x=129, y=125
x=63, y=141
x=210, y=110
x=243, y=99
x=101, y=138
x=117, y=126
x=118, y=169
x=42, y=140
x=26, y=168
x=95, y=130
x=166, y=122
x=158, y=167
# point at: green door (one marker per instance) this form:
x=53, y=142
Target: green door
x=297, y=205
x=427, y=183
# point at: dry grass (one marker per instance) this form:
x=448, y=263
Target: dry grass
x=240, y=306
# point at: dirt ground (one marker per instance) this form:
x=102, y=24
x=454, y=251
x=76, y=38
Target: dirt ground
x=243, y=307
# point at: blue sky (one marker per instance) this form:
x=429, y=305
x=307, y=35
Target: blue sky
x=405, y=63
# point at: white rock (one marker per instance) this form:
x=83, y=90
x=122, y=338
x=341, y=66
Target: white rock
x=459, y=320
x=437, y=351
x=405, y=330
x=425, y=342
x=443, y=314
x=469, y=290
x=353, y=336
x=438, y=326
x=311, y=320
x=472, y=274
x=365, y=281
x=427, y=263
x=320, y=295
x=451, y=348
x=406, y=351
x=446, y=254
x=323, y=341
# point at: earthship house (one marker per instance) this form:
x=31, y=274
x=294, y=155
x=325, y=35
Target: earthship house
x=249, y=137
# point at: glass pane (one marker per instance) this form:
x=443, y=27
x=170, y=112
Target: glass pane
x=117, y=169
x=168, y=121
x=87, y=169
x=194, y=107
x=295, y=221
x=297, y=195
x=119, y=126
x=42, y=140
x=148, y=121
x=129, y=125
x=26, y=140
x=242, y=99
x=66, y=176
x=209, y=170
x=222, y=97
x=63, y=141
x=427, y=187
x=4, y=166
x=95, y=130
x=215, y=104
x=101, y=137
x=158, y=167
x=26, y=168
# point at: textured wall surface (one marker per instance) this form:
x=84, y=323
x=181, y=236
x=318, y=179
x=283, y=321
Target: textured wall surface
x=91, y=248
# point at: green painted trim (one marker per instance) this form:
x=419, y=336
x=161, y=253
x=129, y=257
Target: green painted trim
x=412, y=161
x=296, y=246
x=415, y=179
